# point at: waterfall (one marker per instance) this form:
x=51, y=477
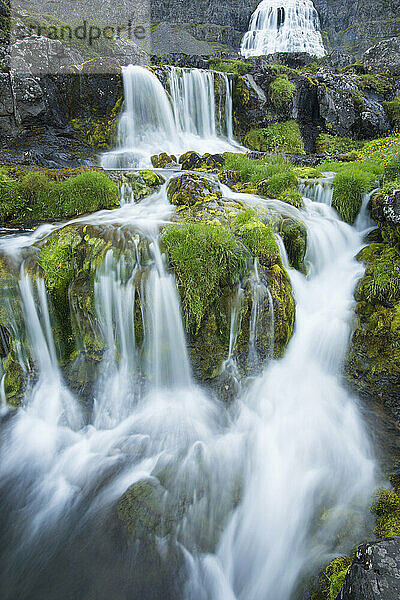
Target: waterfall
x=278, y=26
x=255, y=494
x=192, y=112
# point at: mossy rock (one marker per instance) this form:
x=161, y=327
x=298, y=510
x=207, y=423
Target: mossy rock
x=163, y=161
x=373, y=361
x=294, y=236
x=281, y=91
x=14, y=382
x=332, y=579
x=191, y=161
x=188, y=189
x=37, y=197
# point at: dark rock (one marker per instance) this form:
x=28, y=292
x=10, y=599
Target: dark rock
x=375, y=572
x=191, y=161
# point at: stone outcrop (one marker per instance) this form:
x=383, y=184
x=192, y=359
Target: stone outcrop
x=375, y=572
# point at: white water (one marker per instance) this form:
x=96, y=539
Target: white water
x=269, y=481
x=191, y=117
x=277, y=26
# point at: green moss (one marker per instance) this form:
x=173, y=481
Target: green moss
x=393, y=111
x=334, y=576
x=386, y=508
x=307, y=173
x=238, y=67
x=101, y=134
x=381, y=282
x=151, y=178
x=189, y=189
x=294, y=236
x=349, y=187
x=392, y=168
x=278, y=184
x=205, y=258
x=292, y=196
x=36, y=197
x=142, y=508
x=14, y=381
x=259, y=237
x=279, y=137
x=163, y=160
x=335, y=144
x=281, y=91
x=378, y=83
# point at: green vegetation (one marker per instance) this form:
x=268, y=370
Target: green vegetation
x=332, y=579
x=378, y=83
x=393, y=111
x=281, y=91
x=37, y=197
x=381, y=282
x=386, y=507
x=349, y=186
x=238, y=67
x=294, y=236
x=335, y=144
x=392, y=168
x=257, y=236
x=206, y=258
x=279, y=137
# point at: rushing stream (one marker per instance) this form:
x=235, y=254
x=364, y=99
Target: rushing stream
x=267, y=484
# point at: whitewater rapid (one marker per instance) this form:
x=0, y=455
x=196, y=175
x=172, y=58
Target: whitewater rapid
x=270, y=482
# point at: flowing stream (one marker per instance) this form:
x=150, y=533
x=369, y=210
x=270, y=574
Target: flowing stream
x=277, y=26
x=255, y=495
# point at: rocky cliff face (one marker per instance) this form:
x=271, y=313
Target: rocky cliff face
x=353, y=26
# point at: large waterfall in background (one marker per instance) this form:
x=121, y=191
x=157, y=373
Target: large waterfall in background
x=255, y=495
x=277, y=26
x=192, y=112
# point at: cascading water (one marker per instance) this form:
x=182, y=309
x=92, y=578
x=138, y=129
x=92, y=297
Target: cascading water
x=278, y=26
x=196, y=115
x=254, y=494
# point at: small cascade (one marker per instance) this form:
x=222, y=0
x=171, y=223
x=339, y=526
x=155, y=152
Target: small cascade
x=318, y=190
x=278, y=26
x=364, y=222
x=192, y=112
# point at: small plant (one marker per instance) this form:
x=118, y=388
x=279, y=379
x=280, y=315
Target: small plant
x=386, y=507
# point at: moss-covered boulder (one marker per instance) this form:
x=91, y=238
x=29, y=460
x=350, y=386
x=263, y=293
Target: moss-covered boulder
x=386, y=508
x=211, y=260
x=144, y=509
x=164, y=161
x=37, y=196
x=142, y=183
x=373, y=362
x=294, y=236
x=191, y=161
x=189, y=189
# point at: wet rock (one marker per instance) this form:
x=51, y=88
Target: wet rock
x=375, y=572
x=191, y=161
x=164, y=161
x=189, y=189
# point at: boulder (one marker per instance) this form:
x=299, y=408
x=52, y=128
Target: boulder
x=163, y=161
x=384, y=57
x=189, y=189
x=375, y=572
